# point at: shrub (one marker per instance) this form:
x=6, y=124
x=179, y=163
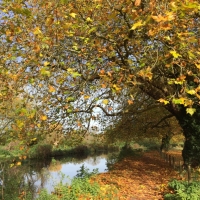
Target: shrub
x=80, y=150
x=182, y=190
x=41, y=151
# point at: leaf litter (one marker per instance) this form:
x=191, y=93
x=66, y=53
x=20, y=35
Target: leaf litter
x=140, y=177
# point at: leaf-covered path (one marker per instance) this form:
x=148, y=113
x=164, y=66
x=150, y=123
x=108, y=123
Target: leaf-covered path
x=142, y=177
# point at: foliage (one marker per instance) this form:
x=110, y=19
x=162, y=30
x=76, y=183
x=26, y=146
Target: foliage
x=150, y=144
x=138, y=125
x=127, y=151
x=40, y=151
x=84, y=172
x=183, y=190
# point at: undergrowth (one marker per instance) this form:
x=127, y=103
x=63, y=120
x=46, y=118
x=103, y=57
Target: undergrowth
x=182, y=190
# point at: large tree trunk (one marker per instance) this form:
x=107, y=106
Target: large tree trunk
x=191, y=130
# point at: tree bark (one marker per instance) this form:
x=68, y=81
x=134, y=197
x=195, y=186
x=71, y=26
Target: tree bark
x=191, y=130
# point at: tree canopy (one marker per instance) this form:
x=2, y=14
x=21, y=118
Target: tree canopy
x=68, y=58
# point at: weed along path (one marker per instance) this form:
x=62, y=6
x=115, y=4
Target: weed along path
x=140, y=177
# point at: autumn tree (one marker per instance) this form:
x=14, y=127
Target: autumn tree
x=145, y=118
x=76, y=56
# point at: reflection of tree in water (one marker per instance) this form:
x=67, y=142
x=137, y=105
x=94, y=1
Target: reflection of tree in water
x=80, y=159
x=55, y=166
x=14, y=182
x=111, y=160
x=95, y=160
x=20, y=181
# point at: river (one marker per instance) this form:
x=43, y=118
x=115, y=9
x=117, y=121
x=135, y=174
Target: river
x=32, y=176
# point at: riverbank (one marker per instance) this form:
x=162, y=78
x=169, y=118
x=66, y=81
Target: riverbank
x=141, y=177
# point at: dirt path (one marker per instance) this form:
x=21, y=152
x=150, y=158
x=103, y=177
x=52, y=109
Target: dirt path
x=140, y=178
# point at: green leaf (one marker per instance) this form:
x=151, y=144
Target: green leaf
x=75, y=74
x=178, y=101
x=70, y=99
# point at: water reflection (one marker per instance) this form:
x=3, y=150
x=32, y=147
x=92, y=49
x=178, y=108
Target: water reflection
x=64, y=171
x=27, y=180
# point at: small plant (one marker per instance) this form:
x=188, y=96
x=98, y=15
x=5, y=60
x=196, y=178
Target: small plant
x=182, y=190
x=84, y=172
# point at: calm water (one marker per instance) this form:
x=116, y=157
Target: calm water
x=35, y=176
x=54, y=173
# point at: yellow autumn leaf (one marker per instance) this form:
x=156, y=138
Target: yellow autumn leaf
x=20, y=124
x=73, y=15
x=86, y=97
x=163, y=101
x=49, y=21
x=11, y=165
x=116, y=87
x=46, y=63
x=105, y=101
x=190, y=111
x=175, y=54
x=34, y=139
x=18, y=163
x=192, y=92
x=43, y=117
x=37, y=31
x=89, y=19
x=197, y=65
x=137, y=24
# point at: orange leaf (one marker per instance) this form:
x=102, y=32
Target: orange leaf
x=36, y=48
x=43, y=117
x=137, y=2
x=130, y=102
x=103, y=85
x=51, y=89
x=109, y=74
x=109, y=108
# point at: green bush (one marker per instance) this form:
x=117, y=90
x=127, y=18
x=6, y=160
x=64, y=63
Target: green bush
x=183, y=190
